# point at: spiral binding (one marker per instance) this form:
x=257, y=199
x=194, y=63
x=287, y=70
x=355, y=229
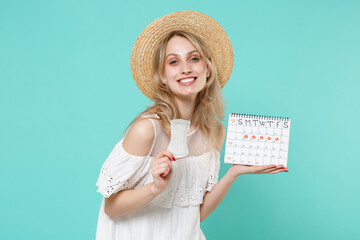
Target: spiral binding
x=262, y=117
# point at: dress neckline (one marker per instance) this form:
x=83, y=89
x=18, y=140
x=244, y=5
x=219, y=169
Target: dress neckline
x=191, y=133
x=151, y=157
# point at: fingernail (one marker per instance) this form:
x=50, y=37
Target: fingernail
x=286, y=170
x=174, y=159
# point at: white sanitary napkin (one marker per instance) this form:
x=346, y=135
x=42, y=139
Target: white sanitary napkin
x=177, y=145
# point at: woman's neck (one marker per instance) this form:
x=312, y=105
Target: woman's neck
x=186, y=107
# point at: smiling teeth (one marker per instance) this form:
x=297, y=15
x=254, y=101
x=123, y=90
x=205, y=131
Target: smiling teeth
x=187, y=80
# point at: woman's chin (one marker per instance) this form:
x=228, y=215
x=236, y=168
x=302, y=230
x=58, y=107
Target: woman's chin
x=187, y=95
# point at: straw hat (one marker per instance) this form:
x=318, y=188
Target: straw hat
x=205, y=27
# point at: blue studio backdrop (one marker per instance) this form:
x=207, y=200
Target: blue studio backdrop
x=67, y=94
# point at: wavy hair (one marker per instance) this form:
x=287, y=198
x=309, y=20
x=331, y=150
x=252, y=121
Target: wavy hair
x=209, y=105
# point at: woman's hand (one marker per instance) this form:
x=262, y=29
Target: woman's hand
x=161, y=170
x=238, y=169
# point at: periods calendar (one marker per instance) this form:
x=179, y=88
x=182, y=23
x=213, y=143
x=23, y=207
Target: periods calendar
x=257, y=140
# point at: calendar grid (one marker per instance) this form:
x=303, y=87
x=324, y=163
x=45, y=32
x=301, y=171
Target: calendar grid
x=257, y=140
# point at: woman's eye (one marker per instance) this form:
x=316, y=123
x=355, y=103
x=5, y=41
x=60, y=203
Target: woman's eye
x=173, y=62
x=194, y=59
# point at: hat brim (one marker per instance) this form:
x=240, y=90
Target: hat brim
x=203, y=26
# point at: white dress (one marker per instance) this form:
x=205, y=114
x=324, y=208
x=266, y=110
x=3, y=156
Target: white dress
x=175, y=213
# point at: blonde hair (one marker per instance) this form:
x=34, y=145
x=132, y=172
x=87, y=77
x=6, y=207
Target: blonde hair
x=209, y=105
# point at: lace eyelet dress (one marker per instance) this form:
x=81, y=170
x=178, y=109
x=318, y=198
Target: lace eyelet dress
x=175, y=213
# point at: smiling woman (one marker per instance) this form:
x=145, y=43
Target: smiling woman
x=148, y=194
x=184, y=72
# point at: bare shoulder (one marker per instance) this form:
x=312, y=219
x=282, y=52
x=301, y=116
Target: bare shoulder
x=139, y=138
x=221, y=131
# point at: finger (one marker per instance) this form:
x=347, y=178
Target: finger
x=164, y=159
x=272, y=169
x=264, y=168
x=161, y=170
x=281, y=166
x=158, y=172
x=161, y=162
x=166, y=173
x=165, y=169
x=166, y=164
x=277, y=171
x=167, y=154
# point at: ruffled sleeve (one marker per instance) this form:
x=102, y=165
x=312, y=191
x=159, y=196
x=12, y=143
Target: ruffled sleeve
x=122, y=170
x=214, y=171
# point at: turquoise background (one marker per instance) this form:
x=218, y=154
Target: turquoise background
x=67, y=94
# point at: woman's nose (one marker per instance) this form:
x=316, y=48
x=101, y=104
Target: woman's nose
x=185, y=68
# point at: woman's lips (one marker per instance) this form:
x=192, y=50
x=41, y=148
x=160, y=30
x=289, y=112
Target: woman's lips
x=187, y=81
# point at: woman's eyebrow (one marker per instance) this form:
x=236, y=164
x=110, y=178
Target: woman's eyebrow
x=176, y=55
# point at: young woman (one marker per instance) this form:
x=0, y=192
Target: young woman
x=148, y=194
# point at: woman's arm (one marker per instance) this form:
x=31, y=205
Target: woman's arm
x=213, y=198
x=138, y=142
x=127, y=201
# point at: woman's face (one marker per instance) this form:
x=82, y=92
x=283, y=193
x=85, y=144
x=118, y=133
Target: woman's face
x=185, y=71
